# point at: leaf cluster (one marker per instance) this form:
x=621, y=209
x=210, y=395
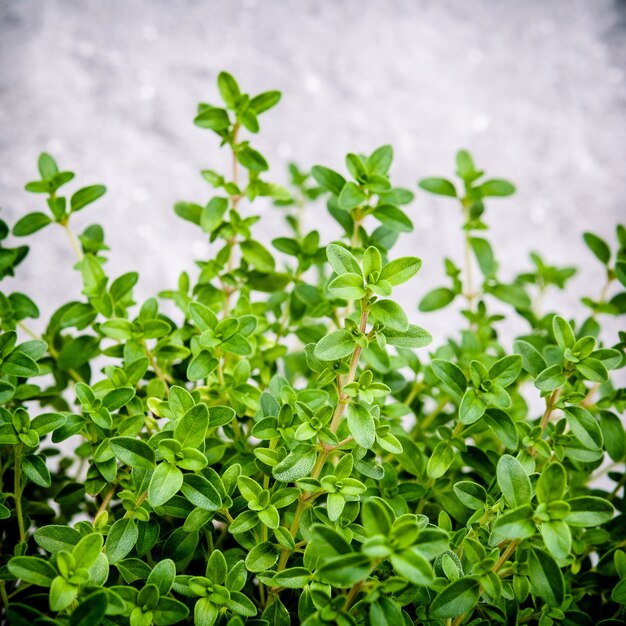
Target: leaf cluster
x=273, y=441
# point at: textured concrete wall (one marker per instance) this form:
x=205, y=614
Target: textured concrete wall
x=535, y=88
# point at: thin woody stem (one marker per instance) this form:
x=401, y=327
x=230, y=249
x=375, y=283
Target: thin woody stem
x=342, y=402
x=228, y=291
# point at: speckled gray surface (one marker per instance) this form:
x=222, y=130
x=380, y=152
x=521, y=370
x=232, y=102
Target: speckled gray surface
x=536, y=89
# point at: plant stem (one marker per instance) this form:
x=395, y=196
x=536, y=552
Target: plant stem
x=105, y=502
x=550, y=404
x=17, y=492
x=342, y=402
x=469, y=273
x=504, y=557
x=73, y=241
x=28, y=331
x=588, y=401
x=235, y=201
x=416, y=387
x=428, y=419
x=604, y=292
x=3, y=594
x=352, y=594
x=160, y=374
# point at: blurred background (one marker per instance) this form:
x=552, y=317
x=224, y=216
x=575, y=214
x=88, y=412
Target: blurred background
x=535, y=89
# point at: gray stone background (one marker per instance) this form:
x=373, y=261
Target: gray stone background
x=535, y=88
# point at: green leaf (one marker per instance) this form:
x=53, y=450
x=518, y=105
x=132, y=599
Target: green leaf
x=86, y=196
x=557, y=537
x=612, y=433
x=62, y=594
x=342, y=260
x=348, y=286
x=47, y=166
x=121, y=539
x=563, y=332
x=338, y=345
x=257, y=255
x=584, y=427
x=440, y=460
x=162, y=576
x=205, y=613
x=551, y=378
x=390, y=314
x=201, y=365
x=400, y=270
x=552, y=483
x=619, y=592
x=165, y=483
x=414, y=337
x=351, y=196
x=496, y=188
x=436, y=299
x=200, y=492
x=33, y=570
x=503, y=426
x=30, y=224
x=505, y=371
x=599, y=247
x=87, y=550
x=450, y=374
x=514, y=524
x=229, y=90
x=328, y=179
x=262, y=557
x=410, y=564
x=484, y=256
x=133, y=452
x=36, y=470
x=589, y=511
x=296, y=465
x=457, y=598
x=213, y=119
x=620, y=272
x=438, y=186
x=91, y=610
x=472, y=408
x=264, y=101
x=213, y=214
x=361, y=425
x=220, y=416
x=189, y=211
x=117, y=329
x=511, y=294
x=19, y=364
x=593, y=370
x=241, y=604
x=252, y=160
x=292, y=578
x=471, y=494
x=380, y=160
x=546, y=579
x=345, y=570
x=54, y=538
x=532, y=360
x=393, y=217
x=513, y=481
x=48, y=422
x=190, y=431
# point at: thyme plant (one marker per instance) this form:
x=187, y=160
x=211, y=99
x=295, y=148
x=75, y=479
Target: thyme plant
x=272, y=441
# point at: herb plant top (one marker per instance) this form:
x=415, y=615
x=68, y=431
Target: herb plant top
x=271, y=441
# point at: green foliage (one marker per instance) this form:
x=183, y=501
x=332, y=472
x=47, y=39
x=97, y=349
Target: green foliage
x=272, y=440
